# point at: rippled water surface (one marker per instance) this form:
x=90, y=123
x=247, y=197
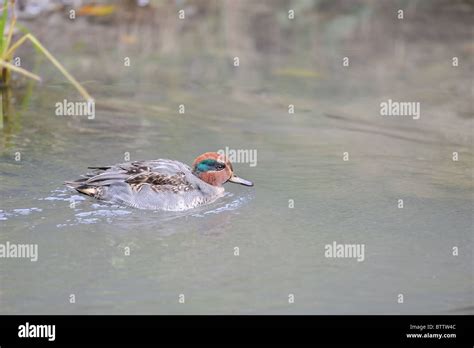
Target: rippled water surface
x=82, y=242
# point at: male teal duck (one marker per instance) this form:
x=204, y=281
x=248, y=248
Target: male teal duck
x=160, y=184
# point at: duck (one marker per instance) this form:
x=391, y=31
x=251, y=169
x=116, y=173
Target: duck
x=161, y=184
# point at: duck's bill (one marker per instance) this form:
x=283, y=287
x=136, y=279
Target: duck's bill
x=237, y=180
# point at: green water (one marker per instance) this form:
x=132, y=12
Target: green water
x=305, y=195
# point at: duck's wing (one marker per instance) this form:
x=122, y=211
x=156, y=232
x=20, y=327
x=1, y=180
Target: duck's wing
x=160, y=182
x=160, y=175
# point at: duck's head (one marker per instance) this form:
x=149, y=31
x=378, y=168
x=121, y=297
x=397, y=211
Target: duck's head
x=216, y=169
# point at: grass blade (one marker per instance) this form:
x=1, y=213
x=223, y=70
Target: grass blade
x=3, y=21
x=58, y=65
x=53, y=60
x=19, y=70
x=10, y=32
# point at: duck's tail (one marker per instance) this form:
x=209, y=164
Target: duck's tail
x=89, y=190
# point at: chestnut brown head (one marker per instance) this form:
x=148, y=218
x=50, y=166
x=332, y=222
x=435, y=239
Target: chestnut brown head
x=216, y=169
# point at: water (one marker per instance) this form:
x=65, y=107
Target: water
x=300, y=161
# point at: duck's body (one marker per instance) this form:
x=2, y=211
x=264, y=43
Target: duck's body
x=160, y=184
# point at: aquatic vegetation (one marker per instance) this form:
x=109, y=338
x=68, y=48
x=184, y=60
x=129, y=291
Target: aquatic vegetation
x=8, y=49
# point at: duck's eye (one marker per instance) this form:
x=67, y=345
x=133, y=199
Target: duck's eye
x=220, y=166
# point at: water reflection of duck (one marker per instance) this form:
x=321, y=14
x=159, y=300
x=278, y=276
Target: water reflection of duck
x=160, y=184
